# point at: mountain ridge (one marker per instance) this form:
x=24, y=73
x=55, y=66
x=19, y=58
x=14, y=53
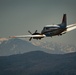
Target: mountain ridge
x=38, y=63
x=16, y=46
x=19, y=46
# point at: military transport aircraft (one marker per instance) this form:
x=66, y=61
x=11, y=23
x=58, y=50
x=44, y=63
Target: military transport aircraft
x=50, y=30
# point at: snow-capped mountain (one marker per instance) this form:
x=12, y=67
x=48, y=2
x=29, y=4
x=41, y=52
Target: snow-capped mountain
x=3, y=39
x=18, y=46
x=56, y=47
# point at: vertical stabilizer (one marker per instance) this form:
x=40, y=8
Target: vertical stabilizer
x=64, y=20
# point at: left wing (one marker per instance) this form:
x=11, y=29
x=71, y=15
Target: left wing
x=29, y=36
x=71, y=27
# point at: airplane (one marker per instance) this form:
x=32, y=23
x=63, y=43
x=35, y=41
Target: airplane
x=50, y=30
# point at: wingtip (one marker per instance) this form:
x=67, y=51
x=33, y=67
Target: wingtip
x=12, y=37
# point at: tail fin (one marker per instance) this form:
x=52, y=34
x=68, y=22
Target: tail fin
x=64, y=20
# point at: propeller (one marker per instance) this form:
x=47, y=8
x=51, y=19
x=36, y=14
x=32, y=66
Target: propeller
x=30, y=39
x=36, y=31
x=32, y=34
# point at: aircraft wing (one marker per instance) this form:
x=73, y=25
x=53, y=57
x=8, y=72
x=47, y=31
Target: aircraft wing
x=28, y=36
x=71, y=27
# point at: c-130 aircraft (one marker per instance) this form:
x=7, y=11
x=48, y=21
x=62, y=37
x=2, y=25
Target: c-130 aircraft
x=50, y=30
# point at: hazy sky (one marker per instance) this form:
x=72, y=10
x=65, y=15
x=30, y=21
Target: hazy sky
x=19, y=16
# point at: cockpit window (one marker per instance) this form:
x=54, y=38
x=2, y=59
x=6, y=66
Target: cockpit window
x=47, y=28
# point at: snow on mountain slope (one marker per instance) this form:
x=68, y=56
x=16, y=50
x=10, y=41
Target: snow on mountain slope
x=56, y=47
x=18, y=46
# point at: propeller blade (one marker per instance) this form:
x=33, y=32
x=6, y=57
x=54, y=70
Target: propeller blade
x=36, y=31
x=30, y=32
x=30, y=39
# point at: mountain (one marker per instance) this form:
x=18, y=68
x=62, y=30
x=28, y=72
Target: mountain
x=38, y=63
x=56, y=48
x=3, y=39
x=17, y=46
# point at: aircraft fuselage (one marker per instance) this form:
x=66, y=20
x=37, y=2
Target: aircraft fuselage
x=52, y=30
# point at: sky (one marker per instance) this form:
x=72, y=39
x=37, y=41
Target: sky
x=19, y=16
